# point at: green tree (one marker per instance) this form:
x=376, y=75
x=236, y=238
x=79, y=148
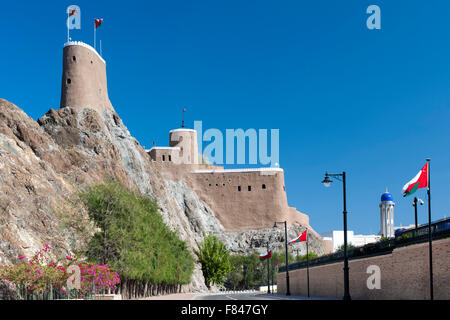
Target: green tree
x=215, y=259
x=132, y=237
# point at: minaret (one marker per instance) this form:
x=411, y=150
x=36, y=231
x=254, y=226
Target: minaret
x=387, y=215
x=84, y=78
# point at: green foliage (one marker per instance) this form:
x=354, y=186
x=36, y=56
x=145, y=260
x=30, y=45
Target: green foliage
x=349, y=246
x=215, y=259
x=249, y=272
x=133, y=238
x=303, y=257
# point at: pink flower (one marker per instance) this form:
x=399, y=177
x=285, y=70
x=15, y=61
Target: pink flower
x=21, y=257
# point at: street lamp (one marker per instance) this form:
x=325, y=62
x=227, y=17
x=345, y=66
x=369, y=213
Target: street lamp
x=327, y=182
x=288, y=291
x=415, y=210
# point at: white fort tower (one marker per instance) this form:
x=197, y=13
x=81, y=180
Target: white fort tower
x=387, y=215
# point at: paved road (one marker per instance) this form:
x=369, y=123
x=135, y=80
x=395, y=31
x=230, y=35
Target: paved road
x=252, y=296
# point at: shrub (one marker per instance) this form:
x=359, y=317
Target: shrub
x=215, y=260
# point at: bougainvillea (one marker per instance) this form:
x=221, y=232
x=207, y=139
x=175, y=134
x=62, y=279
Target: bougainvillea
x=41, y=274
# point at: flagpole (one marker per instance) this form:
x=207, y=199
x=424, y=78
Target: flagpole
x=429, y=232
x=271, y=267
x=307, y=262
x=95, y=29
x=268, y=269
x=67, y=23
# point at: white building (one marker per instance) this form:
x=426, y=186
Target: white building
x=357, y=240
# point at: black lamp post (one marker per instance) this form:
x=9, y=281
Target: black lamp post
x=288, y=291
x=415, y=211
x=268, y=269
x=327, y=182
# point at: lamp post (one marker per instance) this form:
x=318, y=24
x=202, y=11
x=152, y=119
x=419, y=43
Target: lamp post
x=327, y=182
x=288, y=291
x=415, y=211
x=268, y=269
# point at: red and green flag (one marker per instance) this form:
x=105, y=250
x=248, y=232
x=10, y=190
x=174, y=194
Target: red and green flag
x=98, y=23
x=300, y=238
x=418, y=182
x=265, y=256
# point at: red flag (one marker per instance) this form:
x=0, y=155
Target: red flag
x=98, y=23
x=277, y=262
x=265, y=255
x=418, y=182
x=300, y=238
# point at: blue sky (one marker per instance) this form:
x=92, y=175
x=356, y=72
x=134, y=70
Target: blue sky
x=374, y=103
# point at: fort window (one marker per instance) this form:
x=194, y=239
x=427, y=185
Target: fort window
x=239, y=188
x=263, y=186
x=217, y=185
x=163, y=158
x=210, y=184
x=170, y=158
x=74, y=58
x=68, y=81
x=249, y=188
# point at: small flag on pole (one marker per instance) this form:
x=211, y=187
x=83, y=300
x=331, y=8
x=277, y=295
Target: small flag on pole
x=418, y=182
x=98, y=23
x=300, y=238
x=265, y=255
x=72, y=12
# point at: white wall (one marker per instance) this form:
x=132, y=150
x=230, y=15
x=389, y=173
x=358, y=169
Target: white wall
x=337, y=237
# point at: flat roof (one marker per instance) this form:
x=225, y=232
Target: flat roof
x=182, y=129
x=164, y=148
x=239, y=170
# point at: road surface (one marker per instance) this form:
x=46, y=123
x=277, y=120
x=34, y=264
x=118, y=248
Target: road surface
x=252, y=296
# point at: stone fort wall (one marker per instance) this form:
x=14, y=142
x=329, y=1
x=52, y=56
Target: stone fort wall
x=404, y=275
x=240, y=199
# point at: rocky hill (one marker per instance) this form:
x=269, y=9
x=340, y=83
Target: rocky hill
x=42, y=163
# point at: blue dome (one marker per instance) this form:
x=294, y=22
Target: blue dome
x=387, y=197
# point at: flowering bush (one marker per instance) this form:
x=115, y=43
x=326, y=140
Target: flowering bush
x=40, y=274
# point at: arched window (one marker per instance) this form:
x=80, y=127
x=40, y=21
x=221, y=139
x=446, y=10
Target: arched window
x=163, y=158
x=249, y=188
x=263, y=186
x=170, y=157
x=239, y=188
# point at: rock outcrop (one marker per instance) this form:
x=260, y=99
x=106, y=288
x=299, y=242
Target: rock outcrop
x=43, y=162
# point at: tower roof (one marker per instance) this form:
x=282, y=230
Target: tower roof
x=387, y=196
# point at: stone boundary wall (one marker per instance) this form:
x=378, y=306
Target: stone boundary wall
x=404, y=275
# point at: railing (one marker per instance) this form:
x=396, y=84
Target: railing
x=439, y=230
